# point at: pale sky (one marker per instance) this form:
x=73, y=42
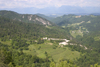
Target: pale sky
x=47, y=3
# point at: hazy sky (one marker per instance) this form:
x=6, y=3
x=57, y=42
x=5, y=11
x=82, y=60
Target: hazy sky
x=47, y=3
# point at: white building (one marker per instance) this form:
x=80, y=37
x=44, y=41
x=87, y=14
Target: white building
x=63, y=43
x=67, y=40
x=45, y=38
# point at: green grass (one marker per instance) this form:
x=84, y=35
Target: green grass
x=79, y=30
x=75, y=33
x=47, y=46
x=63, y=26
x=93, y=16
x=74, y=24
x=6, y=42
x=97, y=38
x=56, y=54
x=89, y=22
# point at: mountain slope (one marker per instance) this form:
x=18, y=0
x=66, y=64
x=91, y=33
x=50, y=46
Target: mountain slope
x=11, y=28
x=25, y=17
x=27, y=39
x=90, y=22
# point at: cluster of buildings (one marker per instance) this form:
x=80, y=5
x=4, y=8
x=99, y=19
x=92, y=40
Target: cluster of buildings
x=65, y=42
x=61, y=43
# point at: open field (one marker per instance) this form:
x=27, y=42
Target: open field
x=6, y=42
x=57, y=53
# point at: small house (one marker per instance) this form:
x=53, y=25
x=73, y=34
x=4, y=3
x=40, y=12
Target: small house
x=63, y=43
x=45, y=38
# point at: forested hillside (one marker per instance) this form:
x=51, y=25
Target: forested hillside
x=86, y=31
x=79, y=25
x=16, y=37
x=71, y=18
x=24, y=43
x=29, y=18
x=13, y=29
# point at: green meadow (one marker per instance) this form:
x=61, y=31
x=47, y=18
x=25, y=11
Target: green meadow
x=55, y=53
x=54, y=50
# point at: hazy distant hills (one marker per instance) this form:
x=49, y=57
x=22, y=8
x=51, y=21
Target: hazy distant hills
x=57, y=10
x=25, y=17
x=96, y=14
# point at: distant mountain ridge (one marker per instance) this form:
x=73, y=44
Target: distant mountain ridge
x=56, y=10
x=25, y=17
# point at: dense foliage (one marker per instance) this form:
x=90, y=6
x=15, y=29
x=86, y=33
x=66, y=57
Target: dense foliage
x=11, y=29
x=17, y=36
x=89, y=26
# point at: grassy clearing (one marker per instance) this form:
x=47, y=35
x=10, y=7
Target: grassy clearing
x=6, y=42
x=74, y=24
x=93, y=16
x=79, y=30
x=56, y=54
x=75, y=33
x=63, y=26
x=89, y=22
x=97, y=38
